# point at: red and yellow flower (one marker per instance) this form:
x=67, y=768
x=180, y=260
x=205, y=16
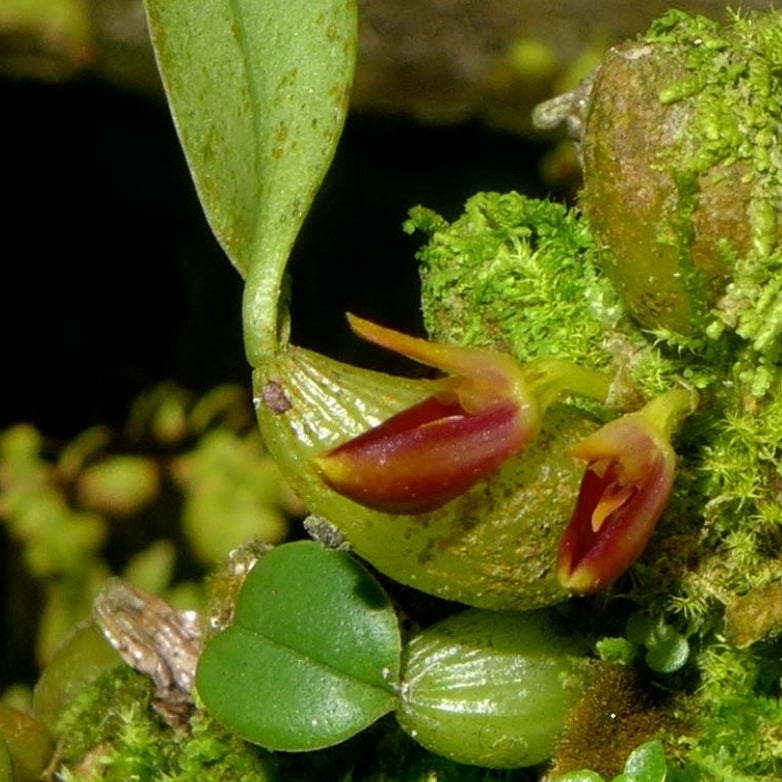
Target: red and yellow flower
x=624, y=491
x=484, y=412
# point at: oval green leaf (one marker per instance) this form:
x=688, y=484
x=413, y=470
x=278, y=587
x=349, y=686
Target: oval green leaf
x=259, y=93
x=646, y=764
x=313, y=655
x=669, y=652
x=580, y=776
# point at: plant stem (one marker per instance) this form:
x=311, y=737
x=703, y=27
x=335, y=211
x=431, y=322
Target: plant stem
x=667, y=410
x=552, y=377
x=260, y=309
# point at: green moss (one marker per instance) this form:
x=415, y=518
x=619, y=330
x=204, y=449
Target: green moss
x=733, y=84
x=739, y=713
x=522, y=275
x=111, y=733
x=516, y=273
x=616, y=715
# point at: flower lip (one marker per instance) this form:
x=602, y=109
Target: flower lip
x=624, y=491
x=611, y=525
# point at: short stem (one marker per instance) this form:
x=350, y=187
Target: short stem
x=665, y=412
x=549, y=378
x=260, y=311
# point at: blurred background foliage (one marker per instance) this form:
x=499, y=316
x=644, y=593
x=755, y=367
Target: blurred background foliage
x=430, y=60
x=159, y=501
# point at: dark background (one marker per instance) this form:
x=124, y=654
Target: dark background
x=113, y=281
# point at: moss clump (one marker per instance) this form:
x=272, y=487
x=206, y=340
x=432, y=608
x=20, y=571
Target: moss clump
x=524, y=275
x=736, y=732
x=517, y=274
x=615, y=715
x=111, y=733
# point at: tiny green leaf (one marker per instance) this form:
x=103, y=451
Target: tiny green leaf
x=616, y=650
x=313, y=655
x=667, y=649
x=668, y=652
x=259, y=93
x=580, y=776
x=640, y=628
x=645, y=764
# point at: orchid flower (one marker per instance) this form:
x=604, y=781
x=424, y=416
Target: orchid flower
x=624, y=491
x=484, y=412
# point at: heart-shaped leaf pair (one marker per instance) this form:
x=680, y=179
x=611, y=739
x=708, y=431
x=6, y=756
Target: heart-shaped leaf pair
x=312, y=657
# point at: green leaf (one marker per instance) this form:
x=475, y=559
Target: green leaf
x=580, y=776
x=645, y=764
x=313, y=655
x=616, y=650
x=668, y=652
x=259, y=93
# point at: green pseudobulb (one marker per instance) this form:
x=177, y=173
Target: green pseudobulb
x=494, y=546
x=682, y=175
x=491, y=688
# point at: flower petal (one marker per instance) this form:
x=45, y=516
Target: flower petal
x=423, y=457
x=501, y=373
x=487, y=409
x=625, y=489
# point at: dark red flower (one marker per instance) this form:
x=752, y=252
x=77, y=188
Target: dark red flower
x=625, y=489
x=419, y=459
